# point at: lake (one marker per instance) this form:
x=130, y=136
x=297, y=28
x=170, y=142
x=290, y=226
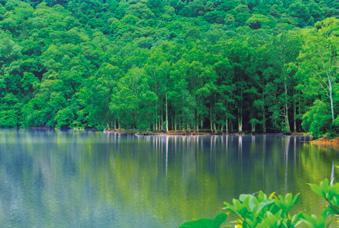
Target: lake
x=89, y=179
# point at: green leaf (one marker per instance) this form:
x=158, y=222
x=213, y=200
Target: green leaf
x=206, y=223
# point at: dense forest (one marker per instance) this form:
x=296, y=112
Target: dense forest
x=216, y=65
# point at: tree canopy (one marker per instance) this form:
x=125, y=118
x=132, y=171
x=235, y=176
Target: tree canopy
x=222, y=66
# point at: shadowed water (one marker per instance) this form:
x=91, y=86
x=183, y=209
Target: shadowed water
x=88, y=179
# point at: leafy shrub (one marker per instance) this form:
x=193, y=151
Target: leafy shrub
x=317, y=120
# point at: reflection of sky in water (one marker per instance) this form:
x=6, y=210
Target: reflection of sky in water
x=90, y=179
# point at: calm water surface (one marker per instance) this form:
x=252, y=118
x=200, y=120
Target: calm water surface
x=88, y=179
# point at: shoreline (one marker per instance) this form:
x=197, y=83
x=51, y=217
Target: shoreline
x=156, y=133
x=321, y=141
x=192, y=133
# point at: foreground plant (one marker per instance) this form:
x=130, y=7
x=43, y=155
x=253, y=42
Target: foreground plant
x=261, y=210
x=331, y=194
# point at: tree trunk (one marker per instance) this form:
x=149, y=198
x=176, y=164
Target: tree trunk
x=294, y=116
x=287, y=122
x=253, y=128
x=175, y=122
x=211, y=121
x=240, y=121
x=172, y=122
x=263, y=116
x=331, y=97
x=166, y=102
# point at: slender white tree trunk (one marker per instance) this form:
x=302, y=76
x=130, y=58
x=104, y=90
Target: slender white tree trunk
x=240, y=119
x=166, y=114
x=240, y=124
x=294, y=116
x=263, y=116
x=287, y=122
x=331, y=97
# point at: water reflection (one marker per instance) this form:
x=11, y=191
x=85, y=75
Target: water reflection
x=88, y=179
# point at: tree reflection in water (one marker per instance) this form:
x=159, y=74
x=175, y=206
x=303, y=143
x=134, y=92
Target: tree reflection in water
x=90, y=179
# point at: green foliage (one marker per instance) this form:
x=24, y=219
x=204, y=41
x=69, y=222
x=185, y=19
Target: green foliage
x=224, y=66
x=317, y=120
x=257, y=21
x=64, y=118
x=132, y=102
x=260, y=210
x=9, y=109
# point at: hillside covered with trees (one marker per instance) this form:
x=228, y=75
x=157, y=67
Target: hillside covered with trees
x=221, y=65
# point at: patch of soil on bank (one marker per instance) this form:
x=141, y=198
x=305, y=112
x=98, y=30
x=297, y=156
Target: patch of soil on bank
x=327, y=142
